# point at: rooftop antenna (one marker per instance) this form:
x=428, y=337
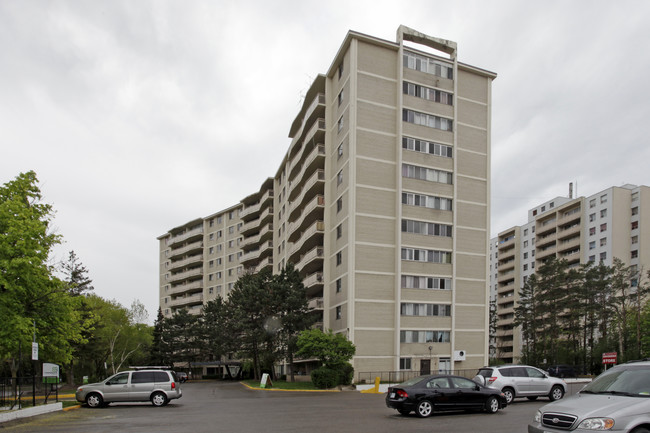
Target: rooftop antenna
x=570, y=190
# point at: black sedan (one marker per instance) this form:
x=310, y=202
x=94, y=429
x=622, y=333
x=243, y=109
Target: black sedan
x=440, y=392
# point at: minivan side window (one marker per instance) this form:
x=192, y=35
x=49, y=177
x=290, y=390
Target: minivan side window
x=142, y=377
x=120, y=379
x=161, y=376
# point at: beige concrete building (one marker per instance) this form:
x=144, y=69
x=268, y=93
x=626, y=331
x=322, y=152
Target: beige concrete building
x=381, y=202
x=597, y=228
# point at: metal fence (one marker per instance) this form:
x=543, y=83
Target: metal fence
x=28, y=391
x=402, y=375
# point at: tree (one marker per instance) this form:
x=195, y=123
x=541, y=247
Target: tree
x=159, y=352
x=251, y=307
x=621, y=301
x=332, y=350
x=76, y=276
x=31, y=298
x=292, y=310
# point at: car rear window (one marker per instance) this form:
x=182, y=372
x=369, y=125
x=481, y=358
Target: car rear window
x=485, y=372
x=162, y=376
x=142, y=377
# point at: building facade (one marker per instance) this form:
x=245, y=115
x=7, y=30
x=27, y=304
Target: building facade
x=597, y=228
x=381, y=202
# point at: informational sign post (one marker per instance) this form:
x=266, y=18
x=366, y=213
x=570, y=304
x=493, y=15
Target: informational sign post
x=34, y=351
x=266, y=381
x=50, y=373
x=609, y=358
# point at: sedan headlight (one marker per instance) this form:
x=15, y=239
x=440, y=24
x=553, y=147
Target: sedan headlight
x=538, y=417
x=597, y=424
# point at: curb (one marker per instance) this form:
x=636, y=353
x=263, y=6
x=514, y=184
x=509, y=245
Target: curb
x=31, y=411
x=288, y=390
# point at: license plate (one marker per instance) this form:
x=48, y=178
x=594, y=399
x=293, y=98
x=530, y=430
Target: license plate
x=392, y=395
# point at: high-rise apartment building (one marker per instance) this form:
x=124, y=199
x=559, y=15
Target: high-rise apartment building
x=381, y=202
x=598, y=228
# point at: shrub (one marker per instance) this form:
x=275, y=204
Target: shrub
x=324, y=378
x=346, y=373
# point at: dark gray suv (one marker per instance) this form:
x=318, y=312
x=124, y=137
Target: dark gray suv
x=157, y=386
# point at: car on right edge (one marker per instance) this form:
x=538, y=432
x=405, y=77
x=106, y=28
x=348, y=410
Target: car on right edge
x=618, y=400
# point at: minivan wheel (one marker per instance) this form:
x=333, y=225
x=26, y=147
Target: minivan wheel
x=94, y=400
x=158, y=399
x=556, y=393
x=492, y=405
x=509, y=393
x=424, y=409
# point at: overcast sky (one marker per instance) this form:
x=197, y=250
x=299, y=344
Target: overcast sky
x=138, y=116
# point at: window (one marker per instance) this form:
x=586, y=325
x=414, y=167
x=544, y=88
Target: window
x=635, y=210
x=430, y=256
x=211, y=237
x=339, y=178
x=427, y=310
x=525, y=244
x=603, y=227
x=211, y=250
x=211, y=222
x=211, y=290
x=339, y=284
x=427, y=93
x=592, y=258
x=423, y=146
x=339, y=258
x=635, y=225
x=340, y=97
x=339, y=124
x=634, y=254
x=405, y=363
x=525, y=255
x=603, y=242
x=428, y=201
x=338, y=313
x=428, y=174
x=218, y=275
x=635, y=240
x=424, y=336
x=525, y=267
x=592, y=217
x=603, y=199
x=231, y=229
x=428, y=120
x=430, y=66
x=219, y=234
x=340, y=151
x=231, y=214
x=603, y=256
x=340, y=70
x=230, y=244
x=211, y=263
x=219, y=219
x=425, y=228
x=592, y=203
x=592, y=231
x=603, y=213
x=592, y=245
x=339, y=204
x=339, y=231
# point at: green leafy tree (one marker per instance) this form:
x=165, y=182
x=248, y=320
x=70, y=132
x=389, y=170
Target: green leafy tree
x=160, y=353
x=216, y=340
x=183, y=336
x=31, y=298
x=332, y=350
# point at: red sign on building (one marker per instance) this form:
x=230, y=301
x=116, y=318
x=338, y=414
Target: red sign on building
x=609, y=358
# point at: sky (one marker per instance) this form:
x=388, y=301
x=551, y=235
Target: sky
x=136, y=115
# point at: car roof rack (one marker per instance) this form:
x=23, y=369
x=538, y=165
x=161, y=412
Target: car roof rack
x=150, y=367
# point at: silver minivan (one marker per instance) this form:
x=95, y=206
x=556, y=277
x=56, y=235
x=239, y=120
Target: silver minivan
x=155, y=385
x=617, y=400
x=521, y=381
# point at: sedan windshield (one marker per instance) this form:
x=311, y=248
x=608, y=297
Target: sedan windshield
x=631, y=381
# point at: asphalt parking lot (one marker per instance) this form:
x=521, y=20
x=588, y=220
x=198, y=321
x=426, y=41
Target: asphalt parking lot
x=231, y=407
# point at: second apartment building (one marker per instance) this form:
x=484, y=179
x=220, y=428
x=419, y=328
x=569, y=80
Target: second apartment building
x=381, y=202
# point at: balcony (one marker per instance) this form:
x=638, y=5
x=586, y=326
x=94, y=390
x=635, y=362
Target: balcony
x=196, y=246
x=264, y=263
x=315, y=159
x=249, y=211
x=196, y=272
x=187, y=300
x=253, y=225
x=253, y=255
x=312, y=259
x=182, y=263
x=186, y=287
x=314, y=279
x=266, y=231
x=315, y=304
x=198, y=232
x=308, y=237
x=315, y=184
x=312, y=212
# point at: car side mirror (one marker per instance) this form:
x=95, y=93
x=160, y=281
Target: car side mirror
x=477, y=388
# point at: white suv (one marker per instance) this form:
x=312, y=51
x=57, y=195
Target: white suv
x=521, y=381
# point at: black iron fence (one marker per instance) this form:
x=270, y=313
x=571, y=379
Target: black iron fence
x=402, y=375
x=16, y=392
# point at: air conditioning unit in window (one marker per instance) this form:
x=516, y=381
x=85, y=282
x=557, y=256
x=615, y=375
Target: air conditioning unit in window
x=459, y=355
